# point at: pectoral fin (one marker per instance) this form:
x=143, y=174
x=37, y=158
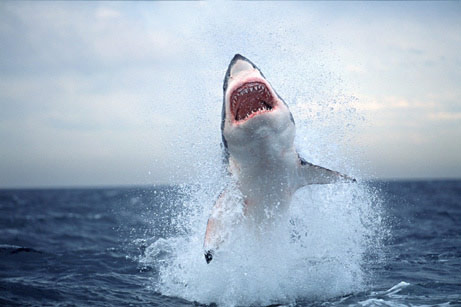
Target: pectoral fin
x=225, y=214
x=309, y=173
x=215, y=231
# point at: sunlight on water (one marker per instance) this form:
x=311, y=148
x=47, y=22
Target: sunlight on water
x=318, y=249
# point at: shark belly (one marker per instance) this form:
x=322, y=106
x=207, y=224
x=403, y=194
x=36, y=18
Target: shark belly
x=263, y=164
x=267, y=185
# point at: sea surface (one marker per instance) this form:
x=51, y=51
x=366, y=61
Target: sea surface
x=104, y=247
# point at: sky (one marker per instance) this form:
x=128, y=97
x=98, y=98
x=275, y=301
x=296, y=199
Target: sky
x=128, y=93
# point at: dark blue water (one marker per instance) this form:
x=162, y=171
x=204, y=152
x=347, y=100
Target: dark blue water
x=82, y=246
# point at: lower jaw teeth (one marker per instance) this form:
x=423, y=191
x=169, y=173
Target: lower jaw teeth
x=257, y=111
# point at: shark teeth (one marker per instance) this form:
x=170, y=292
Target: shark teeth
x=251, y=98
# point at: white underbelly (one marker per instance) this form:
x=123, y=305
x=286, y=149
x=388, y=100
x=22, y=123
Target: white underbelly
x=266, y=193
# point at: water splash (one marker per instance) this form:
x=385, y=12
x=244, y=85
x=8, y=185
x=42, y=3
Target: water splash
x=320, y=248
x=315, y=252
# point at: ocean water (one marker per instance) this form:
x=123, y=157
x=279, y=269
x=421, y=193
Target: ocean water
x=394, y=243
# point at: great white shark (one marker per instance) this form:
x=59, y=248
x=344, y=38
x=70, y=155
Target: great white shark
x=258, y=132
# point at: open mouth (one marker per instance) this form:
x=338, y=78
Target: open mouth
x=251, y=98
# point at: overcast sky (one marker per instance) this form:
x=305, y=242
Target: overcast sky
x=102, y=93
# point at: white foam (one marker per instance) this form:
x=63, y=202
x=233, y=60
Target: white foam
x=314, y=252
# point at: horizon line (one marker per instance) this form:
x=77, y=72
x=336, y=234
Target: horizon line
x=152, y=185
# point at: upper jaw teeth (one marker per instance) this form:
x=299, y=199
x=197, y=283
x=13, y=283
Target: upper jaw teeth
x=258, y=87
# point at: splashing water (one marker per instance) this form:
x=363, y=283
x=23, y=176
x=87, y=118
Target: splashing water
x=319, y=249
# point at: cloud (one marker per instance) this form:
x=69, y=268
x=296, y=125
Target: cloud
x=107, y=13
x=95, y=88
x=445, y=116
x=376, y=104
x=52, y=38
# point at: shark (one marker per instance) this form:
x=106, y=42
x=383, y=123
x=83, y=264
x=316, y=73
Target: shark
x=258, y=132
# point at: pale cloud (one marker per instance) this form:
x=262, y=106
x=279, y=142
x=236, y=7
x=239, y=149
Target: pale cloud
x=446, y=116
x=105, y=12
x=376, y=104
x=104, y=93
x=93, y=37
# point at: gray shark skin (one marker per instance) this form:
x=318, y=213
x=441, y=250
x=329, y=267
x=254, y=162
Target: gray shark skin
x=258, y=132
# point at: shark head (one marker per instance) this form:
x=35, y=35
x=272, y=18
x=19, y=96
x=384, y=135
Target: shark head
x=252, y=111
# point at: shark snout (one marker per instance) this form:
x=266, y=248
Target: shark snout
x=241, y=66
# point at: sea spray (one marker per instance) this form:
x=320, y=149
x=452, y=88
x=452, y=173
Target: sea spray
x=320, y=247
x=316, y=250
